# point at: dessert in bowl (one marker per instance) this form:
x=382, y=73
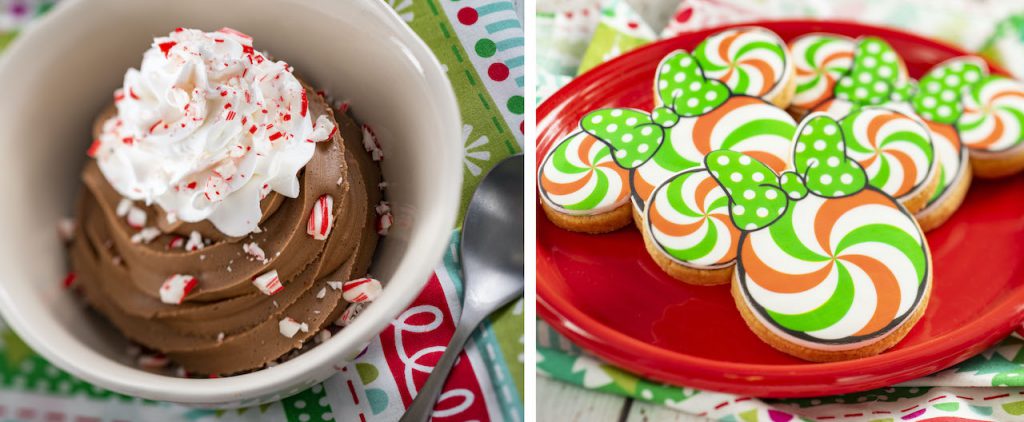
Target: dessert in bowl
x=178, y=225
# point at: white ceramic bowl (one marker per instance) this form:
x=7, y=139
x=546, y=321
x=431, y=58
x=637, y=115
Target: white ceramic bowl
x=63, y=69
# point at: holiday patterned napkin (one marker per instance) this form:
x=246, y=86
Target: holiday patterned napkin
x=989, y=386
x=480, y=43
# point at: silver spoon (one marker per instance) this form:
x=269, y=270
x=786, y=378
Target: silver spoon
x=492, y=267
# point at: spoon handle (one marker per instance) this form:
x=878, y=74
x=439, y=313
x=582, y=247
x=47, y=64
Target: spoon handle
x=423, y=405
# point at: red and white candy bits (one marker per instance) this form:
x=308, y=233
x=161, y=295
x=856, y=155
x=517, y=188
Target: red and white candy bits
x=146, y=235
x=289, y=327
x=371, y=143
x=321, y=218
x=176, y=287
x=384, y=224
x=323, y=130
x=350, y=314
x=361, y=290
x=268, y=283
x=136, y=218
x=155, y=361
x=254, y=250
x=195, y=241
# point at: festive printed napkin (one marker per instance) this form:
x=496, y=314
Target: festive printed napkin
x=989, y=386
x=480, y=43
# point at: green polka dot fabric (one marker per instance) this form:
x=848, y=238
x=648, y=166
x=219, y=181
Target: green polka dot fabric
x=877, y=75
x=820, y=156
x=755, y=200
x=938, y=98
x=681, y=86
x=631, y=134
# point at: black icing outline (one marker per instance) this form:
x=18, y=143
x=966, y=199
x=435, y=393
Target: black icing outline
x=785, y=57
x=649, y=226
x=639, y=202
x=923, y=286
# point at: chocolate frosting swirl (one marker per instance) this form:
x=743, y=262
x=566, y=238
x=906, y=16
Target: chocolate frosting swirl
x=121, y=279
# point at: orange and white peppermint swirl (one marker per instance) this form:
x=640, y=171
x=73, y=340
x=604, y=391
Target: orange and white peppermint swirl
x=580, y=177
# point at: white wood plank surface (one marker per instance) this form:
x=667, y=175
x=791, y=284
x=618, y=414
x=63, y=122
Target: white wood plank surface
x=561, y=402
x=644, y=412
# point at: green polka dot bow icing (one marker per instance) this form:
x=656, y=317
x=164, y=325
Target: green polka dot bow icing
x=635, y=135
x=683, y=88
x=757, y=197
x=939, y=96
x=878, y=75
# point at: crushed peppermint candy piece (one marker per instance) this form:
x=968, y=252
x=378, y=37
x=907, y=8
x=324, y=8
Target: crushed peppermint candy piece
x=371, y=143
x=116, y=260
x=195, y=242
x=216, y=188
x=146, y=235
x=220, y=337
x=350, y=314
x=383, y=208
x=268, y=283
x=176, y=242
x=323, y=130
x=382, y=185
x=335, y=285
x=136, y=218
x=323, y=336
x=322, y=293
x=180, y=372
x=123, y=207
x=289, y=327
x=254, y=250
x=69, y=280
x=361, y=290
x=66, y=229
x=321, y=218
x=176, y=287
x=384, y=224
x=340, y=180
x=155, y=361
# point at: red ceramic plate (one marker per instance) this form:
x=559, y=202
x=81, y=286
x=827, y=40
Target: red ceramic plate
x=606, y=294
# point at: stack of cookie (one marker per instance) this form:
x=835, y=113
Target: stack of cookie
x=819, y=225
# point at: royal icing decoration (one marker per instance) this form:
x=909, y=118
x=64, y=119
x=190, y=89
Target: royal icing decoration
x=878, y=75
x=894, y=149
x=826, y=262
x=579, y=176
x=950, y=157
x=176, y=287
x=696, y=115
x=321, y=218
x=688, y=218
x=820, y=60
x=751, y=61
x=361, y=290
x=993, y=116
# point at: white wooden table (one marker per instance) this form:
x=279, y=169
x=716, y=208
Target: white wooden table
x=561, y=402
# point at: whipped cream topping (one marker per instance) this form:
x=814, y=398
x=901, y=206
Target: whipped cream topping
x=206, y=128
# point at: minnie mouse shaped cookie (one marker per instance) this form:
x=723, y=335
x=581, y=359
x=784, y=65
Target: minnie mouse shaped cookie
x=828, y=267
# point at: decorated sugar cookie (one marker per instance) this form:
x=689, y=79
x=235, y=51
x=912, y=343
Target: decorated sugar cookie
x=750, y=61
x=877, y=76
x=828, y=267
x=695, y=115
x=895, y=151
x=987, y=112
x=687, y=228
x=821, y=59
x=581, y=186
